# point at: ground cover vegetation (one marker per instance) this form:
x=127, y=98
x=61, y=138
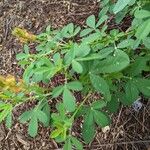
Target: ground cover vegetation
x=112, y=64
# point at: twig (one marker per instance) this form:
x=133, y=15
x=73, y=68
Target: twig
x=122, y=143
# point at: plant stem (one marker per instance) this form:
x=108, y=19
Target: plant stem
x=45, y=95
x=72, y=117
x=125, y=77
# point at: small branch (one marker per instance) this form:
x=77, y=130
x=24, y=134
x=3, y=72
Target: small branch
x=121, y=143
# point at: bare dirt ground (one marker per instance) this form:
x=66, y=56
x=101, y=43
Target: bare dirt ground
x=130, y=130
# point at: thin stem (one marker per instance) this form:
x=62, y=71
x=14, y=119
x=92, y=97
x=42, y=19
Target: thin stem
x=34, y=97
x=80, y=106
x=125, y=77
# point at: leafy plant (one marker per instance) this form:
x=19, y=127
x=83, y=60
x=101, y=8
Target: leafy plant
x=112, y=64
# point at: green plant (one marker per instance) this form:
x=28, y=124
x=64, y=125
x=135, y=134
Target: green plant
x=98, y=61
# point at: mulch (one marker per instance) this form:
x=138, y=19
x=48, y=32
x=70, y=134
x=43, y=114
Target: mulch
x=130, y=129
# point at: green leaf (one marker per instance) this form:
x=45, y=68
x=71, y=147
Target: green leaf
x=91, y=38
x=139, y=65
x=143, y=30
x=26, y=48
x=42, y=70
x=68, y=145
x=100, y=85
x=100, y=55
x=61, y=109
x=82, y=50
x=101, y=20
x=5, y=110
x=125, y=43
x=85, y=32
x=98, y=104
x=101, y=119
x=25, y=116
x=104, y=2
x=33, y=126
x=70, y=27
x=132, y=92
x=113, y=105
x=57, y=91
x=77, y=67
x=142, y=13
x=119, y=16
x=115, y=63
x=41, y=116
x=90, y=21
x=144, y=86
x=68, y=30
x=77, y=30
x=56, y=133
x=28, y=73
x=82, y=111
x=21, y=56
x=88, y=127
x=103, y=12
x=69, y=57
x=9, y=120
x=75, y=85
x=146, y=42
x=76, y=143
x=48, y=29
x=69, y=100
x=121, y=4
x=46, y=110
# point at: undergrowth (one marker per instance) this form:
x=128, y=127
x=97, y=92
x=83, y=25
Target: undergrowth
x=112, y=64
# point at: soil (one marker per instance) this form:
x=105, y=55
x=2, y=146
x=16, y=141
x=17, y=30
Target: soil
x=130, y=129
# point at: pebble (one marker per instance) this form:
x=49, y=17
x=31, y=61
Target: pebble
x=137, y=105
